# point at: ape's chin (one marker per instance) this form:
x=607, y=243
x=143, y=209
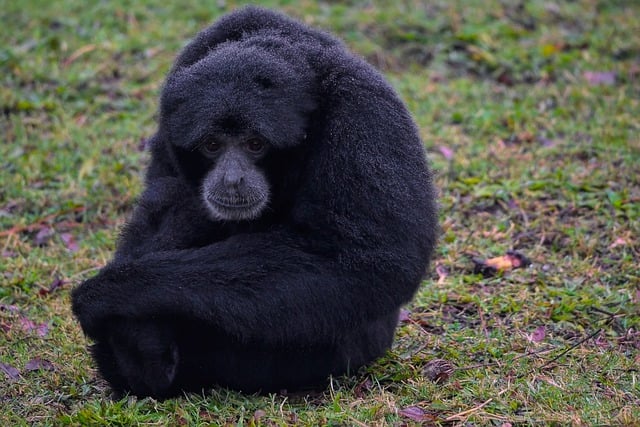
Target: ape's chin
x=227, y=210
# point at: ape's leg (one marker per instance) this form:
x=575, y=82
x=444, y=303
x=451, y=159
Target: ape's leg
x=140, y=356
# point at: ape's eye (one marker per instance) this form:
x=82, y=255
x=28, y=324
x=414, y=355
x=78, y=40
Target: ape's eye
x=255, y=145
x=211, y=147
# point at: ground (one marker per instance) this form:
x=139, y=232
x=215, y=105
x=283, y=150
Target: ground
x=530, y=112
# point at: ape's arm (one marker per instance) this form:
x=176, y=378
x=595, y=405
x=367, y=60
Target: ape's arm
x=260, y=287
x=167, y=215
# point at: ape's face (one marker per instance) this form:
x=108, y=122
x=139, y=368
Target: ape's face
x=235, y=188
x=225, y=114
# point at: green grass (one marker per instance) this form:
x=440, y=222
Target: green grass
x=531, y=116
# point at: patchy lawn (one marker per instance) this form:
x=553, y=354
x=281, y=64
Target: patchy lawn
x=531, y=114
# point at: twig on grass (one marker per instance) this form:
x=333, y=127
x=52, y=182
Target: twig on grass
x=46, y=220
x=565, y=351
x=520, y=356
x=464, y=414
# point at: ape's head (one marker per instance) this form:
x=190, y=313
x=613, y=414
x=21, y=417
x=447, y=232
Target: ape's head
x=226, y=114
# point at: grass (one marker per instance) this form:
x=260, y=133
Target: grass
x=530, y=112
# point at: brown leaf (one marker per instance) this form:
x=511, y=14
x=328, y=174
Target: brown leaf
x=595, y=78
x=619, y=242
x=27, y=325
x=442, y=272
x=446, y=152
x=9, y=307
x=5, y=327
x=538, y=335
x=37, y=364
x=362, y=388
x=69, y=242
x=404, y=316
x=416, y=414
x=11, y=372
x=438, y=370
x=507, y=262
x=42, y=236
x=602, y=342
x=57, y=283
x=259, y=413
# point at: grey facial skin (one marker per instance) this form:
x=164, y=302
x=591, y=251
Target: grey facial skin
x=236, y=188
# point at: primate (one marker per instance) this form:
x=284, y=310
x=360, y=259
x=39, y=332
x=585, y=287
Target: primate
x=288, y=213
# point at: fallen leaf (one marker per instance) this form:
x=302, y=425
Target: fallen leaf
x=438, y=370
x=511, y=260
x=619, y=242
x=259, y=413
x=11, y=372
x=442, y=272
x=57, y=283
x=69, y=242
x=601, y=341
x=546, y=142
x=550, y=49
x=416, y=414
x=595, y=78
x=205, y=415
x=9, y=307
x=446, y=152
x=27, y=325
x=5, y=327
x=37, y=364
x=43, y=236
x=526, y=136
x=538, y=335
x=362, y=388
x=42, y=329
x=404, y=316
x=81, y=120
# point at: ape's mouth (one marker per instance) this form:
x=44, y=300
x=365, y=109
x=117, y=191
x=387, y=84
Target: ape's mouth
x=237, y=203
x=235, y=207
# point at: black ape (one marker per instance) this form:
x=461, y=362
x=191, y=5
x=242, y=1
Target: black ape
x=288, y=213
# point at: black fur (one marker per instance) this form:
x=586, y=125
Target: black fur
x=311, y=287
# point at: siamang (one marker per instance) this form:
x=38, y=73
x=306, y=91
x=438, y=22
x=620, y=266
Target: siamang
x=288, y=213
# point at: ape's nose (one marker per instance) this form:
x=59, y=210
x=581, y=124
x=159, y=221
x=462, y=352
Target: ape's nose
x=234, y=179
